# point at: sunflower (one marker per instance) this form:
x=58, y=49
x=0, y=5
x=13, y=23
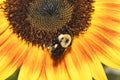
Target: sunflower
x=59, y=39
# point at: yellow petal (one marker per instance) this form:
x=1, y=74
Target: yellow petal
x=76, y=64
x=5, y=36
x=11, y=56
x=94, y=63
x=55, y=71
x=105, y=47
x=32, y=65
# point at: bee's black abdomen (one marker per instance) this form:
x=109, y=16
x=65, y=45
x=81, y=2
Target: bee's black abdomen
x=57, y=53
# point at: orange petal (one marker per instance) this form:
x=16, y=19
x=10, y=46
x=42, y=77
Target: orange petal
x=55, y=71
x=5, y=36
x=93, y=61
x=12, y=54
x=109, y=55
x=80, y=63
x=32, y=65
x=106, y=46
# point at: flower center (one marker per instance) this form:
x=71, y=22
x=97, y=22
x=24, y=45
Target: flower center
x=51, y=24
x=49, y=15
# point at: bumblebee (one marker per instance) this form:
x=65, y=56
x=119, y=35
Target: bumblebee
x=60, y=45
